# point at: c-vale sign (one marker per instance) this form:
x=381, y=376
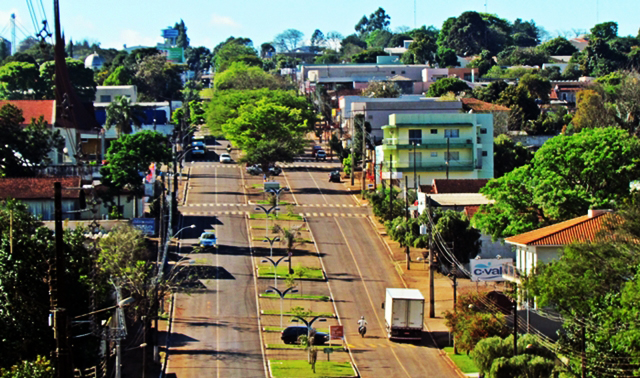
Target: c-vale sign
x=487, y=269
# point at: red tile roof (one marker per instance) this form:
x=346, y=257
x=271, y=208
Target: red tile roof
x=34, y=109
x=481, y=107
x=469, y=211
x=581, y=229
x=426, y=189
x=451, y=186
x=37, y=187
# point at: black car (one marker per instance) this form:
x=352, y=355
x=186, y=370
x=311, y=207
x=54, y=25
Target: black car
x=290, y=335
x=334, y=176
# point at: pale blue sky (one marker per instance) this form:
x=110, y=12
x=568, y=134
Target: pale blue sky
x=138, y=22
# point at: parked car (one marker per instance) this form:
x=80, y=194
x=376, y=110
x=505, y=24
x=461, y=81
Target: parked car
x=315, y=149
x=208, y=239
x=334, y=176
x=290, y=335
x=321, y=154
x=225, y=158
x=198, y=149
x=275, y=171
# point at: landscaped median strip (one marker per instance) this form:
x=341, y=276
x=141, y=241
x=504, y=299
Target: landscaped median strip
x=280, y=329
x=301, y=368
x=283, y=217
x=336, y=348
x=323, y=298
x=311, y=274
x=298, y=240
x=289, y=313
x=462, y=361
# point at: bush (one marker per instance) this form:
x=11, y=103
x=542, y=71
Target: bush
x=494, y=357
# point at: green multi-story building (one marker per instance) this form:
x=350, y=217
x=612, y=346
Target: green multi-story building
x=456, y=146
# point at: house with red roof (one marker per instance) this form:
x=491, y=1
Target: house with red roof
x=545, y=244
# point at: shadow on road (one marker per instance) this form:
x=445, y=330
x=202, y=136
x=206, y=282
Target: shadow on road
x=180, y=339
x=327, y=192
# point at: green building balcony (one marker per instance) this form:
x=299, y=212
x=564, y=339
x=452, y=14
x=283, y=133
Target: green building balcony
x=454, y=166
x=424, y=144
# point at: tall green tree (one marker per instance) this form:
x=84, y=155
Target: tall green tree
x=129, y=157
x=288, y=40
x=446, y=85
x=183, y=39
x=20, y=81
x=24, y=148
x=235, y=52
x=239, y=76
x=508, y=155
x=158, y=79
x=567, y=176
x=80, y=76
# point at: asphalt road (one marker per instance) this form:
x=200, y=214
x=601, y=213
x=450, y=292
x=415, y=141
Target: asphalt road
x=216, y=330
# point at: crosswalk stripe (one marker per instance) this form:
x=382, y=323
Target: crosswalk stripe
x=342, y=215
x=315, y=214
x=322, y=214
x=349, y=215
x=301, y=214
x=335, y=214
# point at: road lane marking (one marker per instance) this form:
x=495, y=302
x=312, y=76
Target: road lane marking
x=368, y=294
x=317, y=186
x=215, y=173
x=290, y=187
x=244, y=186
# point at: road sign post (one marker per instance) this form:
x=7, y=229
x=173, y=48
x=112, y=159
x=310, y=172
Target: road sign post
x=328, y=352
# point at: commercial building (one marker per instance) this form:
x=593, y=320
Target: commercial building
x=436, y=146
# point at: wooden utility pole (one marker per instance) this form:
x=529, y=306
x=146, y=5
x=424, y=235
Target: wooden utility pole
x=390, y=185
x=406, y=217
x=515, y=324
x=432, y=301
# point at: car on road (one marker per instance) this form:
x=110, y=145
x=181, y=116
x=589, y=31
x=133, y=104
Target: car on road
x=334, y=176
x=290, y=335
x=208, y=239
x=321, y=154
x=257, y=170
x=315, y=149
x=225, y=158
x=198, y=149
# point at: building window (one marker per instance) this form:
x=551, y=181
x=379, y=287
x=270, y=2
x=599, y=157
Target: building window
x=415, y=136
x=418, y=159
x=105, y=98
x=484, y=153
x=404, y=72
x=483, y=130
x=452, y=133
x=434, y=154
x=452, y=155
x=393, y=72
x=434, y=131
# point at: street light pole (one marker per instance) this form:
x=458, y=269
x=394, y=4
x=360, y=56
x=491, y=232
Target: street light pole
x=277, y=193
x=266, y=218
x=281, y=294
x=310, y=323
x=275, y=266
x=271, y=241
x=415, y=174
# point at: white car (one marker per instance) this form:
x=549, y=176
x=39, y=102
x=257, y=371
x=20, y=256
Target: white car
x=225, y=158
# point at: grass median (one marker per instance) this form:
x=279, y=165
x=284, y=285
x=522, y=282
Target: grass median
x=283, y=272
x=462, y=361
x=284, y=217
x=301, y=368
x=280, y=329
x=309, y=315
x=336, y=348
x=296, y=296
x=298, y=240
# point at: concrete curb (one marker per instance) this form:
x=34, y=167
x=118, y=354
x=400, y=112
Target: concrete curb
x=186, y=187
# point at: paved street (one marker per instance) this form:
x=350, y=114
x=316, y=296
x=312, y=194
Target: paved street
x=216, y=330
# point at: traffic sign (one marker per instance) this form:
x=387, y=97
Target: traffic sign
x=336, y=332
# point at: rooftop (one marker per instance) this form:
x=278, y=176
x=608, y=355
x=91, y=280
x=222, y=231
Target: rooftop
x=580, y=229
x=481, y=106
x=38, y=187
x=34, y=109
x=451, y=186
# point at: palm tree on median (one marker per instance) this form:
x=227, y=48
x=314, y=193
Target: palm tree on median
x=290, y=238
x=121, y=114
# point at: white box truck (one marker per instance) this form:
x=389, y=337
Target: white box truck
x=404, y=314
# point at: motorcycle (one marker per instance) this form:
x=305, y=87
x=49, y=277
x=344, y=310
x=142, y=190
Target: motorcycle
x=362, y=330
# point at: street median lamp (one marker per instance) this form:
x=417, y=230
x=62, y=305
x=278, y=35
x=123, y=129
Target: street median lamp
x=275, y=266
x=309, y=324
x=277, y=192
x=281, y=294
x=266, y=213
x=271, y=241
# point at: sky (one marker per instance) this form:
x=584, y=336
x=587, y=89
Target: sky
x=116, y=23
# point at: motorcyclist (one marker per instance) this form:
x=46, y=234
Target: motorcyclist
x=362, y=326
x=228, y=148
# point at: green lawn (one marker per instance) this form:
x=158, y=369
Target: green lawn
x=336, y=348
x=289, y=313
x=271, y=228
x=266, y=271
x=301, y=368
x=296, y=296
x=285, y=217
x=299, y=240
x=279, y=329
x=462, y=361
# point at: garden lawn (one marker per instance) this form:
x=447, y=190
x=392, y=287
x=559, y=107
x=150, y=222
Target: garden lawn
x=462, y=361
x=301, y=368
x=283, y=272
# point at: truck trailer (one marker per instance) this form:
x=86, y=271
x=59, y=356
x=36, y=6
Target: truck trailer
x=404, y=314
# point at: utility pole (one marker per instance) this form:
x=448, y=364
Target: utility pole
x=432, y=301
x=515, y=323
x=455, y=300
x=364, y=154
x=58, y=299
x=406, y=217
x=353, y=149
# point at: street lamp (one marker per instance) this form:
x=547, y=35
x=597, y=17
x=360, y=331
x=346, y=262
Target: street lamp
x=266, y=218
x=297, y=318
x=415, y=144
x=271, y=241
x=277, y=192
x=123, y=303
x=275, y=266
x=281, y=294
